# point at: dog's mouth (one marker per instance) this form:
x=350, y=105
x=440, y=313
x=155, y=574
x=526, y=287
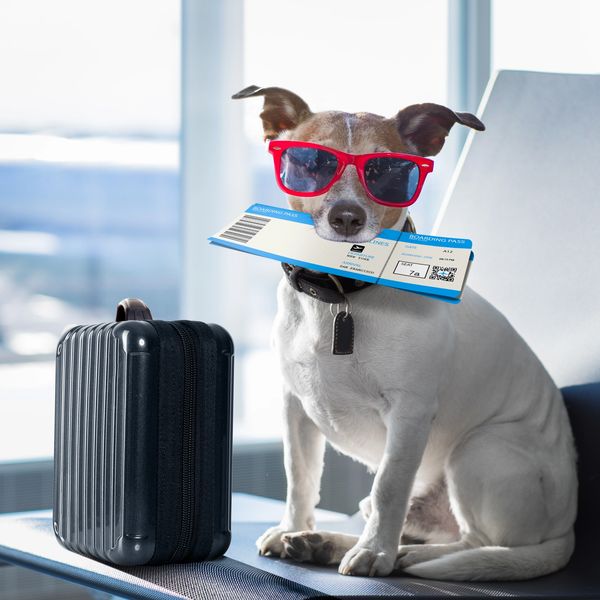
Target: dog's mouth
x=327, y=233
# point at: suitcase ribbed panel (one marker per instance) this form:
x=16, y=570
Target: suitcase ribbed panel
x=90, y=449
x=142, y=441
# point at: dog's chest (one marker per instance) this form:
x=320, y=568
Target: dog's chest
x=337, y=392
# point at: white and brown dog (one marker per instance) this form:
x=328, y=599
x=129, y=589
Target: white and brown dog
x=465, y=429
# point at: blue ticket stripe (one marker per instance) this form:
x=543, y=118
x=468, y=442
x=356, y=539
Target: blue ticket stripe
x=287, y=214
x=389, y=234
x=275, y=212
x=420, y=289
x=436, y=297
x=433, y=240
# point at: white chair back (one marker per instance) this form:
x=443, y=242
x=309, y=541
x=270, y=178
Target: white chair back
x=527, y=192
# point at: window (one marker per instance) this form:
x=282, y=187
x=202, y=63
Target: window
x=89, y=185
x=546, y=35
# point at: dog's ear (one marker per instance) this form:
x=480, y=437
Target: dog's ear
x=282, y=109
x=425, y=126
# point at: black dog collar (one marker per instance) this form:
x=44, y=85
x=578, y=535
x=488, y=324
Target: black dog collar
x=328, y=288
x=321, y=286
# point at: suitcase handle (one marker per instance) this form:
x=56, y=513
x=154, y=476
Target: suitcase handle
x=133, y=309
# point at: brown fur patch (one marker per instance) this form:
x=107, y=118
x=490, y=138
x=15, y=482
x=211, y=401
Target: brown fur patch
x=390, y=216
x=369, y=133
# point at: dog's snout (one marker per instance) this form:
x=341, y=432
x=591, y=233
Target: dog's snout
x=347, y=218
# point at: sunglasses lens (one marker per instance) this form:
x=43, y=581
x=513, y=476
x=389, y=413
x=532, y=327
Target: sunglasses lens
x=307, y=169
x=392, y=180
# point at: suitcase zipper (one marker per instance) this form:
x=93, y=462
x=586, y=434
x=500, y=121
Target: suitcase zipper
x=189, y=431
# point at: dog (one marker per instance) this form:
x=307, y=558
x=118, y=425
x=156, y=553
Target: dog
x=466, y=431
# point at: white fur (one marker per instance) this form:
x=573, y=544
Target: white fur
x=348, y=118
x=432, y=391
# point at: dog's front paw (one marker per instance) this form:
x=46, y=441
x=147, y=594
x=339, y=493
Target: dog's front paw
x=309, y=546
x=371, y=562
x=270, y=542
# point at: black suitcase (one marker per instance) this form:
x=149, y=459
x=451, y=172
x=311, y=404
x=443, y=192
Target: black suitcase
x=142, y=469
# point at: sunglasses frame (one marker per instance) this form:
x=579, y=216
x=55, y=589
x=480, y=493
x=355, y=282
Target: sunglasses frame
x=277, y=147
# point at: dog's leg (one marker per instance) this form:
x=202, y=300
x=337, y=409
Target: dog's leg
x=412, y=533
x=413, y=554
x=408, y=423
x=514, y=505
x=303, y=448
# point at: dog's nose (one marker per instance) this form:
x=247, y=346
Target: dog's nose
x=346, y=218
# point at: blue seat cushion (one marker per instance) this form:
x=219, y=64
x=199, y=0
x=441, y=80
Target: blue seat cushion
x=583, y=405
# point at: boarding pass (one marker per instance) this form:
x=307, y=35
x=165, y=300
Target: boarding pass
x=424, y=264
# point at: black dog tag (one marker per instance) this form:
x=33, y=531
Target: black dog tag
x=343, y=334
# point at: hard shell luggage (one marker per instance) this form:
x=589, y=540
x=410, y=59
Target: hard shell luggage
x=143, y=439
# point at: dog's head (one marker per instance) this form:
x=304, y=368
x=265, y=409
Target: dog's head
x=345, y=212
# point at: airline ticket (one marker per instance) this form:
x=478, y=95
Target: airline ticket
x=424, y=264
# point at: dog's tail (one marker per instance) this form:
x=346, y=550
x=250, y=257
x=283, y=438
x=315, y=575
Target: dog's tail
x=496, y=563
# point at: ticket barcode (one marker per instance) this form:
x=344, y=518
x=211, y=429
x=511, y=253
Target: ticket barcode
x=245, y=229
x=443, y=273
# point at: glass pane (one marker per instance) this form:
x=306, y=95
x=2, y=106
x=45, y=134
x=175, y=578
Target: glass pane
x=109, y=68
x=546, y=35
x=89, y=185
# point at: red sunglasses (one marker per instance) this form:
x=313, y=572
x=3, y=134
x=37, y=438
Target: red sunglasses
x=389, y=178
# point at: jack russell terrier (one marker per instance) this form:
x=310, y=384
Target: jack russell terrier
x=466, y=431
